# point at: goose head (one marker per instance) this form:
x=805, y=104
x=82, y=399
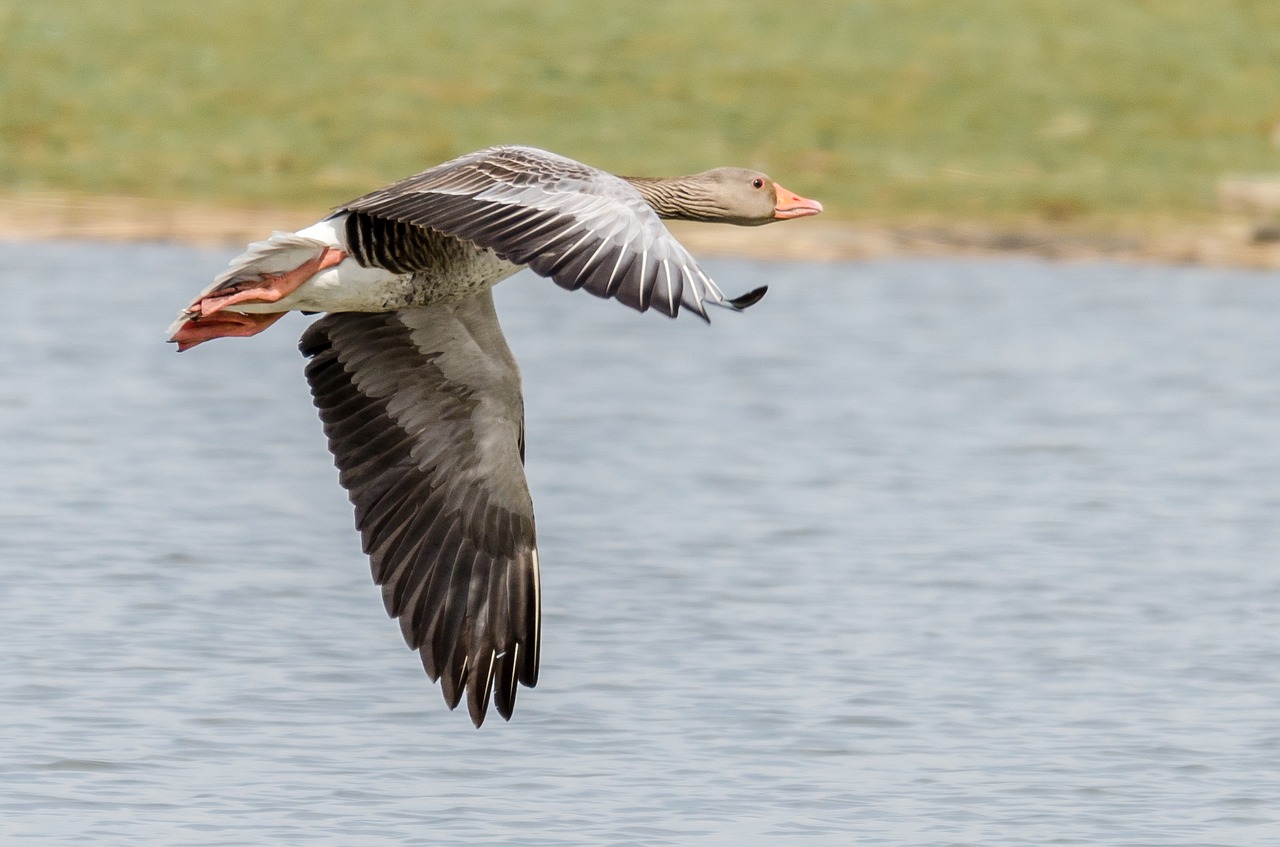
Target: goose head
x=724, y=195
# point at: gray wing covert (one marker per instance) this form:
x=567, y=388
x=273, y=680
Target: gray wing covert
x=424, y=416
x=580, y=226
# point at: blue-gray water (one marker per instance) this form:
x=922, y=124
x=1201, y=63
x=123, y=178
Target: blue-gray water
x=912, y=553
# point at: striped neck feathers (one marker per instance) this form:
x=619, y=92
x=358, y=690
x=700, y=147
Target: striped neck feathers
x=724, y=195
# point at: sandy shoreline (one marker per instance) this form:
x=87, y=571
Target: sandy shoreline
x=1229, y=242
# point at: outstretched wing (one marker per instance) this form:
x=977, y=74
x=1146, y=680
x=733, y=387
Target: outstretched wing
x=580, y=226
x=423, y=412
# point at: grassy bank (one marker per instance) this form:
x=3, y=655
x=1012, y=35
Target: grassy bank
x=1076, y=112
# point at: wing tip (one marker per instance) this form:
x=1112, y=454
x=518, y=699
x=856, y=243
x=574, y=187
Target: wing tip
x=745, y=301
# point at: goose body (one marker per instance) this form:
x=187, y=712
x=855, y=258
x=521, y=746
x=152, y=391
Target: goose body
x=418, y=392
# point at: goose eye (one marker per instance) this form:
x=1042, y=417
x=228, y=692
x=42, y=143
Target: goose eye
x=757, y=183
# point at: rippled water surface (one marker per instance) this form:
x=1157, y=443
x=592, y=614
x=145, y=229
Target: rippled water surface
x=911, y=553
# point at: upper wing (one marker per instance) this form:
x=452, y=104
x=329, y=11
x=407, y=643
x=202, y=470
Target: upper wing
x=580, y=226
x=425, y=419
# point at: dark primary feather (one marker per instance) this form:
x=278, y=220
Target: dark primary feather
x=424, y=416
x=580, y=226
x=422, y=406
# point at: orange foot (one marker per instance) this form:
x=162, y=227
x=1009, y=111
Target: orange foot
x=198, y=329
x=208, y=318
x=269, y=289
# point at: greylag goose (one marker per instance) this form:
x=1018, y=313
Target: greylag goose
x=418, y=391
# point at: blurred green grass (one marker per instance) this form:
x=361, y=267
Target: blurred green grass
x=1078, y=111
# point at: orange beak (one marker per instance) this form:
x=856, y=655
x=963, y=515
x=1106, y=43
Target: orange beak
x=792, y=205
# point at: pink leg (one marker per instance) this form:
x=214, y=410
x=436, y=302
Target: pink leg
x=197, y=330
x=208, y=317
x=270, y=289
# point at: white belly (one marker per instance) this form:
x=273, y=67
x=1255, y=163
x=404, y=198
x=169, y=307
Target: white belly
x=349, y=287
x=346, y=287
